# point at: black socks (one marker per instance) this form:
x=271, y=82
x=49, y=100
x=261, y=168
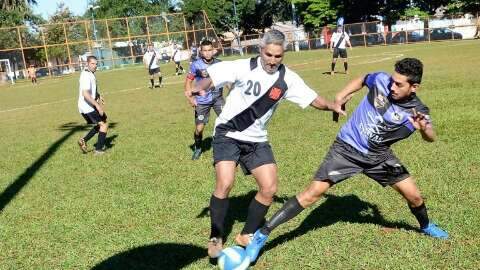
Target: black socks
x=218, y=212
x=101, y=141
x=288, y=211
x=256, y=216
x=421, y=214
x=91, y=133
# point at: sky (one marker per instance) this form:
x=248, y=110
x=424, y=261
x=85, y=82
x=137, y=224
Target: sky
x=46, y=8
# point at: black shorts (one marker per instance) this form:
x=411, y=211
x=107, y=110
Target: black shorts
x=154, y=71
x=94, y=117
x=341, y=52
x=344, y=161
x=249, y=155
x=202, y=111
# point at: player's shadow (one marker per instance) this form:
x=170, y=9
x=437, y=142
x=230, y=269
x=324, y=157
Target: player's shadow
x=22, y=180
x=206, y=144
x=335, y=209
x=166, y=256
x=335, y=72
x=238, y=209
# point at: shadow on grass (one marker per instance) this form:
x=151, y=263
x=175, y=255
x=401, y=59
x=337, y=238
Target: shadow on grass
x=22, y=180
x=167, y=256
x=206, y=144
x=339, y=209
x=238, y=208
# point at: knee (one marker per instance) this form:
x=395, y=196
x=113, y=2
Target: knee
x=222, y=189
x=268, y=191
x=415, y=201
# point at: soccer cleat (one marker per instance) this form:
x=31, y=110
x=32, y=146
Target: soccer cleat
x=215, y=246
x=196, y=153
x=244, y=239
x=83, y=145
x=256, y=244
x=98, y=152
x=434, y=231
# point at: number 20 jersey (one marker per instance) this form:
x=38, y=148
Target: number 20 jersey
x=254, y=96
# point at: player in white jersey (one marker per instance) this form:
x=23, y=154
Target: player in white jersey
x=176, y=58
x=338, y=46
x=89, y=100
x=240, y=131
x=150, y=60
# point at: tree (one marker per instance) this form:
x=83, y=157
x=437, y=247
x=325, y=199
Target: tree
x=464, y=6
x=316, y=13
x=9, y=5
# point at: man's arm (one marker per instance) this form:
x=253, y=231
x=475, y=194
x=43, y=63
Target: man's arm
x=202, y=86
x=188, y=91
x=349, y=44
x=89, y=99
x=322, y=104
x=347, y=92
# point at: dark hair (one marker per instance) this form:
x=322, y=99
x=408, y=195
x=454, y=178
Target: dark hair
x=206, y=42
x=410, y=67
x=90, y=58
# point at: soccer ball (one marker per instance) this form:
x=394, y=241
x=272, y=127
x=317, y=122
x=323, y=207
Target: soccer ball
x=233, y=258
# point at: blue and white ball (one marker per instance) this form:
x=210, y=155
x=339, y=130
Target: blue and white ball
x=233, y=258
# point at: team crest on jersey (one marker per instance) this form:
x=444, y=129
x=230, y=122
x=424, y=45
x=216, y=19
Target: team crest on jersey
x=275, y=93
x=380, y=101
x=396, y=117
x=203, y=73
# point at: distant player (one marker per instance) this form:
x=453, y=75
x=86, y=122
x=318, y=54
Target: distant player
x=89, y=100
x=193, y=53
x=259, y=84
x=150, y=60
x=32, y=74
x=337, y=46
x=176, y=58
x=202, y=104
x=390, y=112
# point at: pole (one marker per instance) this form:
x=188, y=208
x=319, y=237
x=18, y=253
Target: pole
x=236, y=27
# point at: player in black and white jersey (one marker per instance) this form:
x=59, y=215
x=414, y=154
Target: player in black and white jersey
x=337, y=46
x=240, y=131
x=150, y=60
x=89, y=100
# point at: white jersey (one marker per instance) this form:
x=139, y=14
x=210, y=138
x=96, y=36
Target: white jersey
x=247, y=111
x=177, y=55
x=147, y=58
x=87, y=82
x=336, y=38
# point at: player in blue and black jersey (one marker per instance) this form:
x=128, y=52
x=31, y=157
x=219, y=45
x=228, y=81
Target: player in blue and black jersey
x=202, y=104
x=390, y=112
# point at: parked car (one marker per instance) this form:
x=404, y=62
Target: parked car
x=444, y=33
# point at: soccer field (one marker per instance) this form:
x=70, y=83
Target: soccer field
x=143, y=205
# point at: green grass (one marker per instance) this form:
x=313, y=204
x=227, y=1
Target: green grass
x=142, y=205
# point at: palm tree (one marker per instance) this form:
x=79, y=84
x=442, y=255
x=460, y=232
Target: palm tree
x=16, y=4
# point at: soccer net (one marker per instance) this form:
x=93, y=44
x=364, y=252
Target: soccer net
x=6, y=71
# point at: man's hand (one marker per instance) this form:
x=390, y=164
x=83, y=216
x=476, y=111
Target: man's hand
x=101, y=100
x=337, y=108
x=193, y=102
x=100, y=110
x=419, y=120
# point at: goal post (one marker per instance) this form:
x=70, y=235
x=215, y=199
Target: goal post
x=6, y=71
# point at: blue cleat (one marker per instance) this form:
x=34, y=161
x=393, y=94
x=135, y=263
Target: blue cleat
x=258, y=241
x=434, y=231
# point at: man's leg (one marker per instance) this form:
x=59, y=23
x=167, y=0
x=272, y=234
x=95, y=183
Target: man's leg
x=225, y=177
x=160, y=79
x=152, y=82
x=197, y=137
x=345, y=65
x=288, y=211
x=266, y=177
x=334, y=61
x=82, y=142
x=102, y=135
x=409, y=190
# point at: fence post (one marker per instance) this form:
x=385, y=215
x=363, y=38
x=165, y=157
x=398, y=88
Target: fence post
x=130, y=41
x=21, y=48
x=110, y=43
x=68, y=47
x=148, y=29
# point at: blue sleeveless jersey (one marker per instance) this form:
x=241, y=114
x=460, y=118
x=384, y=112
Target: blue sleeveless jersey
x=379, y=121
x=199, y=70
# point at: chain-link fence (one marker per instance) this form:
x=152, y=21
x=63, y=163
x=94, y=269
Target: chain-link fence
x=62, y=48
x=365, y=34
